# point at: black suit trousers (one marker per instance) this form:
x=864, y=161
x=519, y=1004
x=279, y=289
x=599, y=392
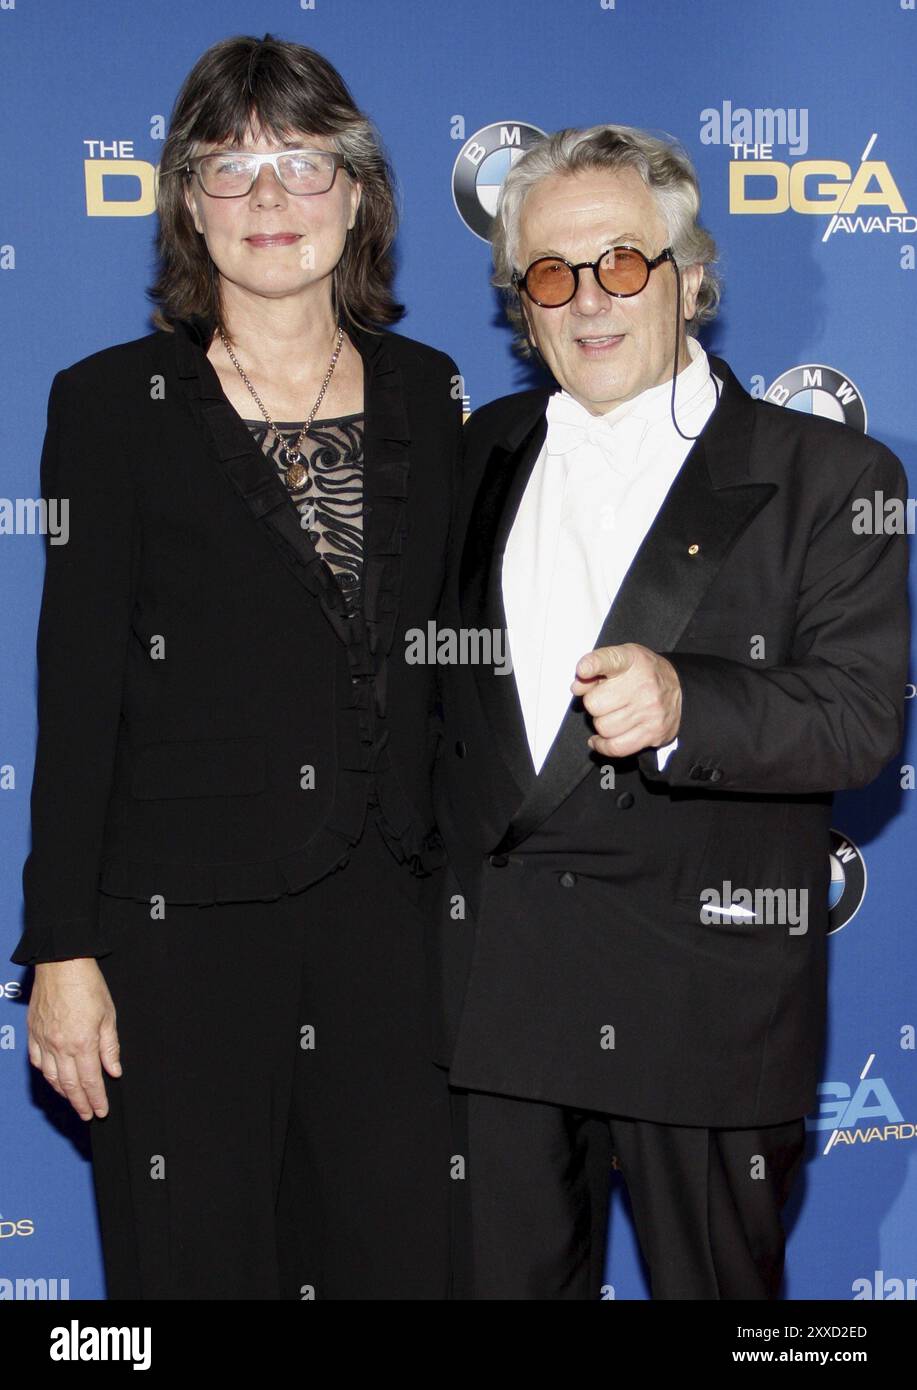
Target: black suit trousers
x=706, y=1203
x=236, y=1163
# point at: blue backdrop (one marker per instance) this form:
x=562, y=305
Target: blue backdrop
x=798, y=119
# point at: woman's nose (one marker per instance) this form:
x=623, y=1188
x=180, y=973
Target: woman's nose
x=267, y=187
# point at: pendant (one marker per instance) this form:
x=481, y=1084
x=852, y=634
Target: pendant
x=295, y=476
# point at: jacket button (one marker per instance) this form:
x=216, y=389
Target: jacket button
x=499, y=861
x=625, y=801
x=566, y=879
x=715, y=774
x=460, y=749
x=696, y=772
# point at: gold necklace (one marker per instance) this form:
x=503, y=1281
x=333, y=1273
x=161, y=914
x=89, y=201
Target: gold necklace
x=296, y=473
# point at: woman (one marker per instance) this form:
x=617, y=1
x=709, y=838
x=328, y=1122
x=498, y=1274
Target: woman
x=234, y=855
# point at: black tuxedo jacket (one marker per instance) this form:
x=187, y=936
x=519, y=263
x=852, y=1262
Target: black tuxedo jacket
x=212, y=726
x=582, y=972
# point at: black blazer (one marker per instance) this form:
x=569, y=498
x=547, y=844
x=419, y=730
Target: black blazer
x=583, y=899
x=212, y=727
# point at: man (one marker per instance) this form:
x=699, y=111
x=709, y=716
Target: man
x=704, y=648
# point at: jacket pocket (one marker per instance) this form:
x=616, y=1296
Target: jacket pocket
x=745, y=850
x=208, y=767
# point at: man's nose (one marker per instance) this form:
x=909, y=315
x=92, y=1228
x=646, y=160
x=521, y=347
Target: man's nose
x=589, y=298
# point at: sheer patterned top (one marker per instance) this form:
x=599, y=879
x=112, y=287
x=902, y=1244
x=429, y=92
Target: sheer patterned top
x=330, y=500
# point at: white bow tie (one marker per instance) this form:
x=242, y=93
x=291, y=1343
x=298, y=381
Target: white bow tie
x=571, y=426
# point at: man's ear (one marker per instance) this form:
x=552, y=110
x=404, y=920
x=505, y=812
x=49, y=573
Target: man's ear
x=691, y=279
x=528, y=323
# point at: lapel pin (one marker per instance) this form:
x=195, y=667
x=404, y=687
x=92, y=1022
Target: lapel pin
x=693, y=549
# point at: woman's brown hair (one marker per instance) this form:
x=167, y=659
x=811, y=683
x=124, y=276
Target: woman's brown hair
x=284, y=88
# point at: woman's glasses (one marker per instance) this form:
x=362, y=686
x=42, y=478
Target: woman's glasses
x=233, y=175
x=622, y=271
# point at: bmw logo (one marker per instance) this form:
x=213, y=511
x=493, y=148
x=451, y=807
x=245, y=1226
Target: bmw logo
x=480, y=167
x=819, y=390
x=848, y=881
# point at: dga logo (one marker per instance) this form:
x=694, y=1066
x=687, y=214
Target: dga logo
x=819, y=390
x=480, y=167
x=847, y=888
x=820, y=187
x=853, y=1114
x=117, y=183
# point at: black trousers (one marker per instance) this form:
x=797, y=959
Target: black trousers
x=236, y=1164
x=534, y=1210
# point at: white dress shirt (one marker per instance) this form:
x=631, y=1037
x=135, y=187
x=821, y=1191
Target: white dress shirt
x=592, y=496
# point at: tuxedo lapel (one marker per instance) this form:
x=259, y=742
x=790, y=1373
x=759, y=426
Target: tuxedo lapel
x=709, y=505
x=504, y=480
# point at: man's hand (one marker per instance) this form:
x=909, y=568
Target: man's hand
x=72, y=1030
x=633, y=696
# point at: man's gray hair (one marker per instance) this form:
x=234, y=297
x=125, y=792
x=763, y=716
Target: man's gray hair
x=665, y=168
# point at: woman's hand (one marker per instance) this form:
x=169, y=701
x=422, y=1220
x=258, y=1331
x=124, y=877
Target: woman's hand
x=71, y=1030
